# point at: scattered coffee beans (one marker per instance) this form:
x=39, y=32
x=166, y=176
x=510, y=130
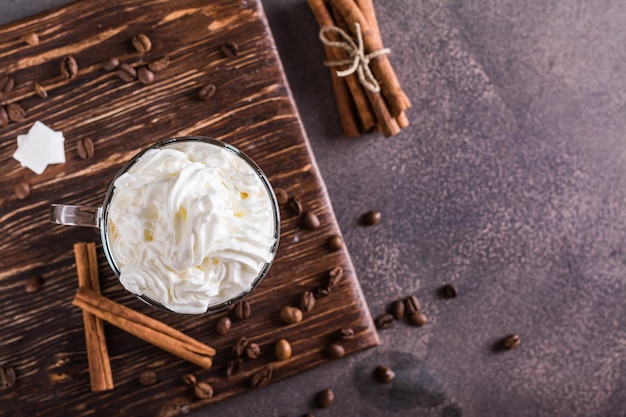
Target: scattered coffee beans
x=335, y=242
x=384, y=321
x=41, y=91
x=346, y=333
x=21, y=190
x=7, y=377
x=31, y=38
x=142, y=43
x=85, y=148
x=234, y=367
x=282, y=349
x=291, y=315
x=448, y=291
x=16, y=112
x=230, y=49
x=281, y=196
x=148, y=378
x=371, y=218
x=4, y=117
x=307, y=301
x=189, y=379
x=223, y=325
x=8, y=86
x=253, y=350
x=322, y=291
x=207, y=92
x=3, y=81
x=69, y=67
x=159, y=64
x=397, y=309
x=324, y=398
x=203, y=390
x=384, y=374
x=311, y=220
x=126, y=73
x=242, y=310
x=335, y=350
x=412, y=304
x=146, y=77
x=296, y=205
x=111, y=64
x=512, y=341
x=33, y=284
x=240, y=346
x=335, y=276
x=417, y=319
x=261, y=377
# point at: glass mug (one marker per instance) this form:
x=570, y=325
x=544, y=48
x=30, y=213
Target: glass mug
x=98, y=217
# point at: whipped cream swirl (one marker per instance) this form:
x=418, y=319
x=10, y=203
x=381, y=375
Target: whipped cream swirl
x=191, y=225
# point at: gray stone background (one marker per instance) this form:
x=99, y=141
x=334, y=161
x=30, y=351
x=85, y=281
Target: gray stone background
x=510, y=183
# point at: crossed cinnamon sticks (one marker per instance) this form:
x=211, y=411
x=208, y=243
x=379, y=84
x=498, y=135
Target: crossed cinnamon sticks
x=97, y=308
x=361, y=110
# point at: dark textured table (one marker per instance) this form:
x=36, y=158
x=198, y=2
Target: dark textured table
x=510, y=183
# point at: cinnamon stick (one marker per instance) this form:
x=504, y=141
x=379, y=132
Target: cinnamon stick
x=146, y=328
x=381, y=67
x=100, y=375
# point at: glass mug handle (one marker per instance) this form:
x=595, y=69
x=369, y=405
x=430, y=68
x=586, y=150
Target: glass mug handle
x=75, y=215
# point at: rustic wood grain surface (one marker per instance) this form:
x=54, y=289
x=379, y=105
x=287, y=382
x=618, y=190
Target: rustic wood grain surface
x=41, y=333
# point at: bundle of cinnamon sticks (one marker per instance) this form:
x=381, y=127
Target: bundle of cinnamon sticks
x=361, y=109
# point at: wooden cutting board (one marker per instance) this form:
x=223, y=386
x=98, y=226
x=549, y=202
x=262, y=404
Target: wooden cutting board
x=41, y=334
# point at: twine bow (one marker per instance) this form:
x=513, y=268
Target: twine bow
x=358, y=60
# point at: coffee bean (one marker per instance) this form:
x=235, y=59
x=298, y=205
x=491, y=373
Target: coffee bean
x=371, y=218
x=322, y=291
x=3, y=81
x=146, y=77
x=31, y=38
x=324, y=398
x=111, y=64
x=16, y=112
x=189, y=379
x=4, y=117
x=148, y=378
x=346, y=334
x=33, y=284
x=85, y=148
x=203, y=390
x=261, y=377
x=159, y=64
x=41, y=91
x=234, y=367
x=207, y=92
x=384, y=374
x=384, y=321
x=21, y=190
x=126, y=73
x=296, y=205
x=291, y=315
x=242, y=310
x=417, y=318
x=142, y=43
x=223, y=325
x=307, y=301
x=230, y=49
x=7, y=377
x=335, y=350
x=311, y=220
x=448, y=291
x=281, y=196
x=69, y=67
x=411, y=304
x=253, y=350
x=512, y=341
x=397, y=309
x=335, y=276
x=240, y=346
x=282, y=349
x=8, y=86
x=335, y=242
